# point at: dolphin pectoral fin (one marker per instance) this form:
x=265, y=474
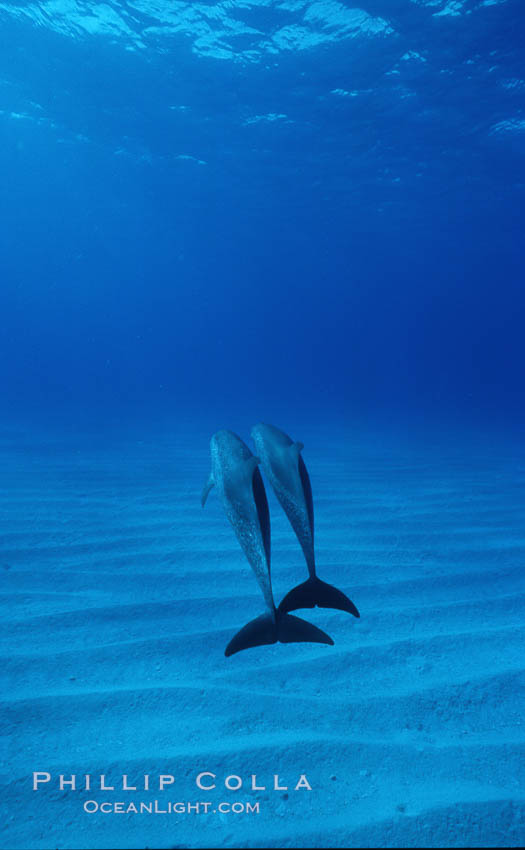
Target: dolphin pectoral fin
x=316, y=592
x=206, y=489
x=258, y=632
x=294, y=630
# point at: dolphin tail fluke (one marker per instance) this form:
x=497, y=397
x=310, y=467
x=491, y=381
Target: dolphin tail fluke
x=294, y=630
x=258, y=632
x=316, y=592
x=285, y=628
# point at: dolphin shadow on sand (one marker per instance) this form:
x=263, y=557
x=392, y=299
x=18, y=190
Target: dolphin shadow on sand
x=286, y=471
x=236, y=475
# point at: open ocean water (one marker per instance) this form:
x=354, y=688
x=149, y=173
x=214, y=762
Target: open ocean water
x=303, y=212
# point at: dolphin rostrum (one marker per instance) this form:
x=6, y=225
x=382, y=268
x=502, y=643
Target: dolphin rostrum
x=282, y=463
x=235, y=473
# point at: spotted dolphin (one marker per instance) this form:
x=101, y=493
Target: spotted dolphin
x=286, y=471
x=235, y=473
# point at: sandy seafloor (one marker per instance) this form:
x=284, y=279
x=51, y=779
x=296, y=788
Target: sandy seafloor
x=119, y=594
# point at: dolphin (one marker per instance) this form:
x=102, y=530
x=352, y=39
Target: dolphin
x=235, y=473
x=283, y=465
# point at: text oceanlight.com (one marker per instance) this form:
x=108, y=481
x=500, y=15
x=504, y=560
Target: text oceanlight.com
x=155, y=807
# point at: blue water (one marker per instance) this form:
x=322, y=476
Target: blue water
x=308, y=213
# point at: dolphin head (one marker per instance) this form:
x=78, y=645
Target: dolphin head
x=228, y=450
x=263, y=434
x=225, y=439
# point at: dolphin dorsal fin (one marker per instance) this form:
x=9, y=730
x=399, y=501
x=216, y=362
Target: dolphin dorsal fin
x=206, y=489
